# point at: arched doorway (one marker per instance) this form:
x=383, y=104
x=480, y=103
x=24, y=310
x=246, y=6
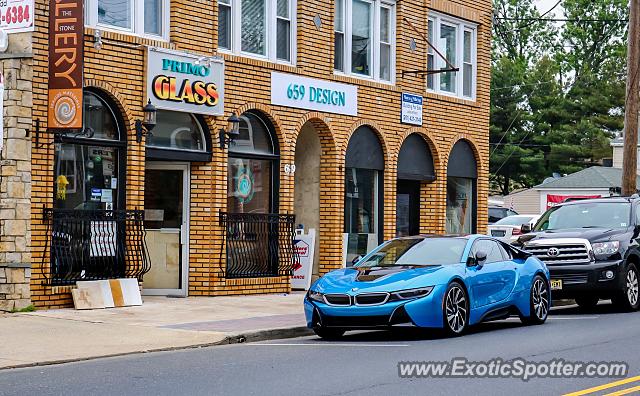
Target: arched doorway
x=254, y=227
x=415, y=169
x=307, y=183
x=462, y=175
x=363, y=203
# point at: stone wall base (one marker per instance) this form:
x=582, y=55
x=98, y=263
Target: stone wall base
x=15, y=293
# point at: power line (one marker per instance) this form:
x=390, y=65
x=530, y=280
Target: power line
x=577, y=20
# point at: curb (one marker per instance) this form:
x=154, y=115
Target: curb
x=246, y=337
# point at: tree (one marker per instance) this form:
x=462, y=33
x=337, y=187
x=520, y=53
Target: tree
x=555, y=103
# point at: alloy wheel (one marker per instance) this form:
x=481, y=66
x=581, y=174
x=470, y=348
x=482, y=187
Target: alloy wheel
x=456, y=309
x=632, y=287
x=540, y=296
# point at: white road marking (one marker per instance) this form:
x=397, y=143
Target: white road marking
x=323, y=344
x=563, y=318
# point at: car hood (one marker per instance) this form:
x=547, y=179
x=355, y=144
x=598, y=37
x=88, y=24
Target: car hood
x=379, y=278
x=591, y=234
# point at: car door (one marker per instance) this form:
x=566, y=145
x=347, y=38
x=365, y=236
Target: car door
x=492, y=282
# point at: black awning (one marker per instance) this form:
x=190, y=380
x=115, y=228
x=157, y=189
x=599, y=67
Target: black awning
x=364, y=150
x=415, y=161
x=462, y=161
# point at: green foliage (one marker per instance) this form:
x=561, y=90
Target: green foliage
x=29, y=308
x=557, y=90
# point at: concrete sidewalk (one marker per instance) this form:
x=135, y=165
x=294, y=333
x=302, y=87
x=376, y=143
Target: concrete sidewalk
x=161, y=323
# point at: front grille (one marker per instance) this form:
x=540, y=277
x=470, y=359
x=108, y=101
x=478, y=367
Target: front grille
x=574, y=253
x=355, y=321
x=338, y=299
x=371, y=298
x=498, y=233
x=572, y=279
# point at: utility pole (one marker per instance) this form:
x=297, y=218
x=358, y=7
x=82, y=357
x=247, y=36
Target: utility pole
x=632, y=104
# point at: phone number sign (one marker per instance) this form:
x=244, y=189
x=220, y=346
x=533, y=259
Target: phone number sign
x=411, y=109
x=16, y=15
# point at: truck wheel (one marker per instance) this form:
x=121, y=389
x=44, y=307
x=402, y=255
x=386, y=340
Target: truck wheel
x=627, y=298
x=587, y=303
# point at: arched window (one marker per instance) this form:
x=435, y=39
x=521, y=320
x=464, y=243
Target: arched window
x=253, y=167
x=364, y=166
x=179, y=136
x=462, y=174
x=90, y=166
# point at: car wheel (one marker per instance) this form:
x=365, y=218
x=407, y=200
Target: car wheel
x=328, y=334
x=539, y=302
x=587, y=303
x=455, y=309
x=627, y=299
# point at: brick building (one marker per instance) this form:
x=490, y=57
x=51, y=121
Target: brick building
x=318, y=88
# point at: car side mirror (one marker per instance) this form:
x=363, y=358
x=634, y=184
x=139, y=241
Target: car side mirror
x=356, y=259
x=478, y=260
x=525, y=228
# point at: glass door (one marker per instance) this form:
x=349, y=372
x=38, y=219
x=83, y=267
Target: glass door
x=166, y=204
x=408, y=208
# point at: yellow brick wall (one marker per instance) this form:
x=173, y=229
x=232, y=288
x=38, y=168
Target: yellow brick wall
x=119, y=69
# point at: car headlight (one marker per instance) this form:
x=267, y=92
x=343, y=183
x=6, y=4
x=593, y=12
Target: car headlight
x=412, y=293
x=315, y=296
x=605, y=248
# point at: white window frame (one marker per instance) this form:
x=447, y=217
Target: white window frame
x=272, y=17
x=137, y=20
x=375, y=47
x=461, y=26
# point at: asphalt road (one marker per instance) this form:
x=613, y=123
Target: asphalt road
x=363, y=363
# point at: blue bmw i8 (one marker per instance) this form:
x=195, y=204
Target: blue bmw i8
x=441, y=282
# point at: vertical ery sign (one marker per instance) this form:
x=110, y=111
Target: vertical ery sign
x=66, y=39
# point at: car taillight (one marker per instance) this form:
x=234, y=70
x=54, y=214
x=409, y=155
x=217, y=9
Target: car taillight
x=516, y=231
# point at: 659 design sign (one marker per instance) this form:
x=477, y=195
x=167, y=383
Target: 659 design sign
x=181, y=82
x=66, y=29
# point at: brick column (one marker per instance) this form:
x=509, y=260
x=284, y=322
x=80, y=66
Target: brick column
x=15, y=175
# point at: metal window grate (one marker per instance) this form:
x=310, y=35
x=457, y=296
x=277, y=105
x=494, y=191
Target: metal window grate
x=258, y=244
x=95, y=244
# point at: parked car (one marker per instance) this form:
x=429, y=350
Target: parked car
x=497, y=212
x=509, y=228
x=443, y=282
x=591, y=249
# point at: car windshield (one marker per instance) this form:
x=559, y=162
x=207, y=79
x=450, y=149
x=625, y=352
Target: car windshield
x=416, y=251
x=586, y=215
x=515, y=220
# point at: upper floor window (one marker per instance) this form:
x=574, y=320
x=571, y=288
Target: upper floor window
x=364, y=40
x=141, y=17
x=263, y=28
x=456, y=40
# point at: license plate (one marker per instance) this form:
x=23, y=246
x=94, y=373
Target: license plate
x=556, y=284
x=497, y=233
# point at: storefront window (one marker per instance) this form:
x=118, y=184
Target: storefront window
x=86, y=176
x=249, y=186
x=89, y=175
x=462, y=174
x=459, y=205
x=360, y=196
x=252, y=163
x=179, y=131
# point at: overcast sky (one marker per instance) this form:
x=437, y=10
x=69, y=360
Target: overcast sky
x=544, y=5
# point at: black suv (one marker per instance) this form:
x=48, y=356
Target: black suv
x=591, y=249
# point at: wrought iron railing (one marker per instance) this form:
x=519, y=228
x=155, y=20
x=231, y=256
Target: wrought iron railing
x=94, y=245
x=258, y=244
